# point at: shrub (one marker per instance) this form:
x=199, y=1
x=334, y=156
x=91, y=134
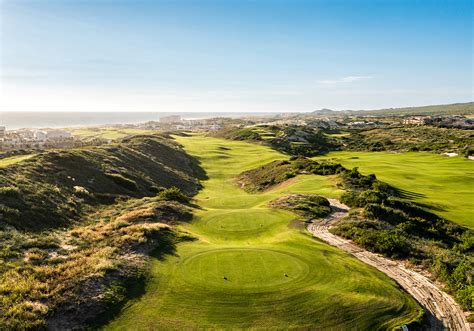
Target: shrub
x=307, y=205
x=156, y=189
x=173, y=194
x=10, y=191
x=288, y=175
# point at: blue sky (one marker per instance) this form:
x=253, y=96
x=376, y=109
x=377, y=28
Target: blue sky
x=225, y=55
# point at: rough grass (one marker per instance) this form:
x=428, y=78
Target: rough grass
x=14, y=159
x=250, y=269
x=410, y=138
x=75, y=224
x=310, y=206
x=65, y=274
x=445, y=185
x=293, y=140
x=52, y=189
x=107, y=133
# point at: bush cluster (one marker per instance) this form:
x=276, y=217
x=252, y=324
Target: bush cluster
x=309, y=206
x=400, y=228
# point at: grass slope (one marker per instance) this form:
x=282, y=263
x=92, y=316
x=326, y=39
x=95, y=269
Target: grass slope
x=251, y=268
x=51, y=189
x=14, y=159
x=107, y=133
x=76, y=225
x=444, y=184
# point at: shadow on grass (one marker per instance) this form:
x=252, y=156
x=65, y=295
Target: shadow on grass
x=134, y=286
x=430, y=206
x=409, y=195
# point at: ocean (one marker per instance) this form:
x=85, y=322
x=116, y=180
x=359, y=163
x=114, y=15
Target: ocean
x=18, y=120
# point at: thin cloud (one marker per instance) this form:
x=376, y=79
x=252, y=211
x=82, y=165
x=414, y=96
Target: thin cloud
x=343, y=80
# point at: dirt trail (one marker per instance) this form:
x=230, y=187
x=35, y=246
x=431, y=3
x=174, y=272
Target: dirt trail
x=445, y=313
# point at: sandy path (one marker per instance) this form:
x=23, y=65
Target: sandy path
x=445, y=313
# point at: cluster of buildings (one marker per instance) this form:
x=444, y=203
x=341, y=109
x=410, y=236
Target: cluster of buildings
x=455, y=121
x=26, y=139
x=175, y=122
x=324, y=123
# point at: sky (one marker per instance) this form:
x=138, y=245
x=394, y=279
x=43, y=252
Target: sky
x=236, y=56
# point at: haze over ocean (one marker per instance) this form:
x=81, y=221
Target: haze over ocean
x=18, y=120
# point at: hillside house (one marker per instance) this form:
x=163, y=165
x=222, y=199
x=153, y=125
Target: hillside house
x=417, y=120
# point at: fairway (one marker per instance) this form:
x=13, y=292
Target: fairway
x=249, y=268
x=444, y=184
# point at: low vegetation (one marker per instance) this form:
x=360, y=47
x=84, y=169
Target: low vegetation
x=293, y=140
x=399, y=228
x=61, y=278
x=76, y=227
x=276, y=172
x=6, y=161
x=83, y=230
x=306, y=141
x=450, y=109
x=384, y=222
x=251, y=267
x=54, y=188
x=441, y=184
x=410, y=138
x=107, y=133
x=309, y=206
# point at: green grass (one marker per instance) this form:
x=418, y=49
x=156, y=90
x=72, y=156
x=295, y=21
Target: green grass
x=107, y=133
x=14, y=159
x=338, y=135
x=444, y=183
x=249, y=268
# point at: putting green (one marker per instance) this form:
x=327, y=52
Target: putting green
x=240, y=224
x=251, y=268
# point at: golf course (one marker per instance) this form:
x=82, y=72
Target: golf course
x=444, y=184
x=254, y=267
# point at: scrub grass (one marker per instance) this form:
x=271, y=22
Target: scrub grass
x=108, y=133
x=444, y=184
x=14, y=159
x=249, y=268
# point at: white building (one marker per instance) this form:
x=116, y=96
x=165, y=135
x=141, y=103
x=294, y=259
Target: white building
x=51, y=135
x=2, y=132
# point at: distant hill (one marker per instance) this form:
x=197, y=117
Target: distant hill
x=466, y=108
x=324, y=111
x=450, y=109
